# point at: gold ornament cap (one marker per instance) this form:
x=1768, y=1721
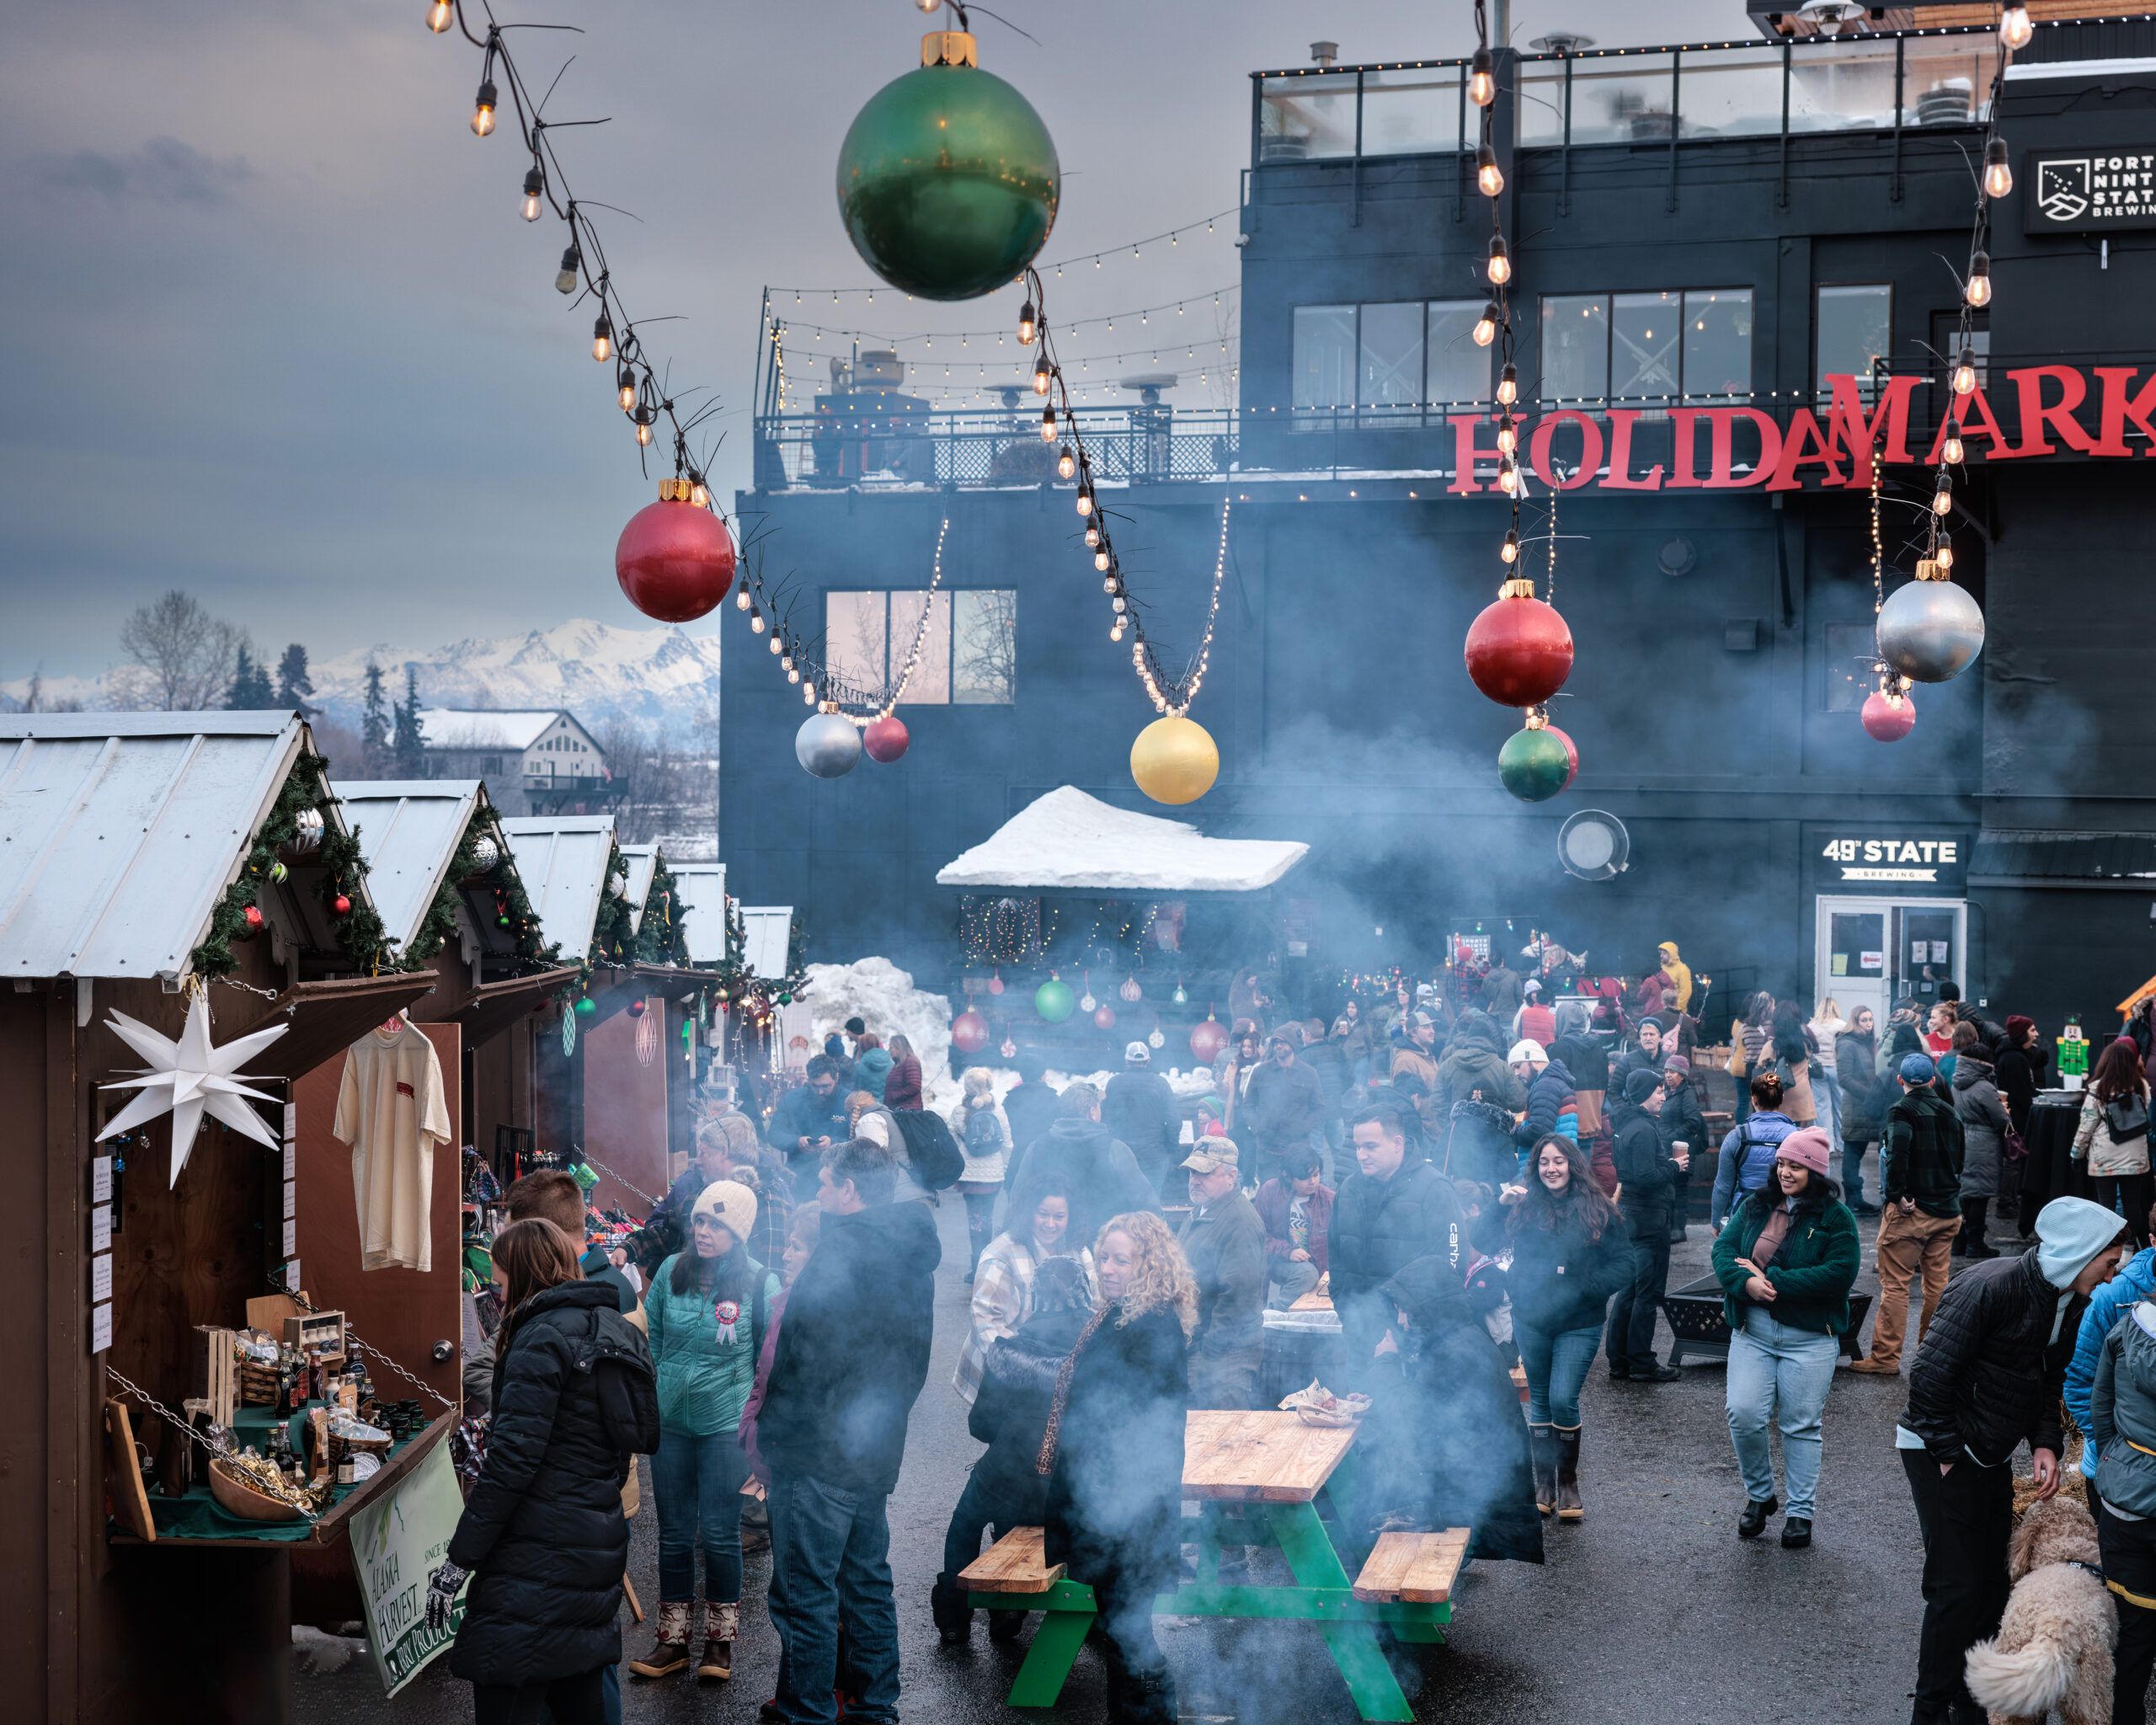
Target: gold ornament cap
x=1518, y=587
x=676, y=490
x=1931, y=570
x=948, y=48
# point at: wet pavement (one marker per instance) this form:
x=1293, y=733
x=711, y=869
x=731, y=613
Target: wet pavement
x=1650, y=1609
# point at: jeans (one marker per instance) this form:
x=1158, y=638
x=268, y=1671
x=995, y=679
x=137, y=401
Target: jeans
x=1632, y=1312
x=1967, y=1518
x=1852, y=1150
x=697, y=1482
x=1827, y=1094
x=831, y=1570
x=1781, y=1375
x=980, y=1225
x=572, y=1701
x=2129, y=1196
x=979, y=1512
x=1288, y=1281
x=2129, y=1549
x=1555, y=1363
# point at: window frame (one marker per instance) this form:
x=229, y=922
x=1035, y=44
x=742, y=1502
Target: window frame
x=1375, y=415
x=1867, y=388
x=1653, y=407
x=950, y=597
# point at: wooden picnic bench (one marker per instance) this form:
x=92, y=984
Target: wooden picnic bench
x=1274, y=1461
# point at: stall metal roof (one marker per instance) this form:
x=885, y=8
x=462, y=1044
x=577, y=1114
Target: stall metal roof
x=699, y=888
x=644, y=863
x=118, y=833
x=408, y=830
x=767, y=931
x=1069, y=840
x=562, y=860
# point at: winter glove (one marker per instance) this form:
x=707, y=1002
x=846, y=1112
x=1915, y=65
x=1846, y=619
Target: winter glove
x=441, y=1594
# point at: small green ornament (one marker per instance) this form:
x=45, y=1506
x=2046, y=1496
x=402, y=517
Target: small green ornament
x=1533, y=765
x=785, y=1000
x=587, y=1006
x=501, y=921
x=1054, y=1002
x=947, y=180
x=278, y=872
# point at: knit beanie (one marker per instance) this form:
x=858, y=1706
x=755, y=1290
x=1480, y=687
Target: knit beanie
x=1528, y=1049
x=1678, y=1065
x=2070, y=1231
x=729, y=1203
x=1807, y=1147
x=1640, y=1084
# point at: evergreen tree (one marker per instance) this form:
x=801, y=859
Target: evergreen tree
x=250, y=691
x=409, y=748
x=294, y=684
x=374, y=724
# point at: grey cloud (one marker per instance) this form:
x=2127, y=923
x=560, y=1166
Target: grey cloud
x=163, y=171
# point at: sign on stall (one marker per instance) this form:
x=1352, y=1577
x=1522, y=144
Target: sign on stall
x=396, y=1543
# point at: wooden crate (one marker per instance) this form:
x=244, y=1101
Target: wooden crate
x=311, y=1330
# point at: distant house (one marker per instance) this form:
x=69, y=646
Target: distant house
x=534, y=763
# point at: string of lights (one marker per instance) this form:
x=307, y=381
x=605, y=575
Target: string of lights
x=964, y=338
x=920, y=628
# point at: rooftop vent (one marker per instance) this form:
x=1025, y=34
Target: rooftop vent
x=1325, y=53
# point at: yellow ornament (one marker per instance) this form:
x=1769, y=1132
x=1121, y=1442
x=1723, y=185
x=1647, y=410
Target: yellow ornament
x=1175, y=760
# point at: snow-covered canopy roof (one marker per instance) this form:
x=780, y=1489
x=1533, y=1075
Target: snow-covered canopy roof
x=1067, y=839
x=562, y=860
x=699, y=888
x=469, y=728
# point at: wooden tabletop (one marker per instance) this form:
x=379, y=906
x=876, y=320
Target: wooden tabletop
x=1259, y=1458
x=1313, y=1301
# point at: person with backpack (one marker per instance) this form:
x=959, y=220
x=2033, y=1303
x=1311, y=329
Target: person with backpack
x=2113, y=1135
x=1747, y=1151
x=1920, y=1190
x=542, y=1540
x=985, y=1139
x=1983, y=1119
x=1104, y=1178
x=707, y=1314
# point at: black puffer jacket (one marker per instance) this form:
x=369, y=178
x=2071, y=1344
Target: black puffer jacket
x=1643, y=1164
x=1378, y=1228
x=1560, y=1279
x=542, y=1532
x=1140, y=1108
x=1018, y=1384
x=1106, y=1179
x=1989, y=1374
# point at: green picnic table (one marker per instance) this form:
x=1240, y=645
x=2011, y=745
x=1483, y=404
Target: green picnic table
x=1275, y=1463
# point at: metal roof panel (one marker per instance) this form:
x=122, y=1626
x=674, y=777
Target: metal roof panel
x=408, y=832
x=562, y=860
x=700, y=890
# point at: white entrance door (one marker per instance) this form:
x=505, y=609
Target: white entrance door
x=1880, y=953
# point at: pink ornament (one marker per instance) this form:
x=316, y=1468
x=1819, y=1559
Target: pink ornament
x=885, y=739
x=1888, y=719
x=1207, y=1039
x=970, y=1031
x=995, y=983
x=1104, y=1019
x=1131, y=992
x=1572, y=756
x=674, y=561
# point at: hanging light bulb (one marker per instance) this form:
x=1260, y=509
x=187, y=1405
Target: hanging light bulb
x=785, y=660
x=1998, y=177
x=1043, y=376
x=778, y=647
x=482, y=113
x=1026, y=324
x=1092, y=538
x=1100, y=560
x=741, y=600
x=1942, y=501
x=1485, y=326
x=643, y=433
x=2014, y=29
x=1489, y=177
x=1501, y=262
x=793, y=676
x=1507, y=435
x=1510, y=550
x=1107, y=586
x=755, y=622
x=1482, y=79
x=1508, y=477
x=699, y=493
x=602, y=338
x=625, y=390
x=1964, y=377
x=1084, y=503
x=1048, y=425
x=808, y=694
x=1065, y=465
x=572, y=261
x=1977, y=289
x=1509, y=384
x=535, y=192
x=1943, y=557
x=1950, y=451
x=440, y=15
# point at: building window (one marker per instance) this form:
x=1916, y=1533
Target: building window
x=969, y=645
x=1389, y=361
x=493, y=768
x=1853, y=325
x=1651, y=350
x=1851, y=652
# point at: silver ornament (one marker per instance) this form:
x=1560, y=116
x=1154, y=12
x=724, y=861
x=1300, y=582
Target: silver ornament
x=308, y=836
x=1928, y=631
x=827, y=745
x=485, y=854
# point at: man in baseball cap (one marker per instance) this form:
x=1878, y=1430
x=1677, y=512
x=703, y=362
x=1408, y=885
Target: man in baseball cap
x=1920, y=1152
x=1139, y=1107
x=1224, y=1242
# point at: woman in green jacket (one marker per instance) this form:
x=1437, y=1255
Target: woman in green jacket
x=706, y=1309
x=1786, y=1261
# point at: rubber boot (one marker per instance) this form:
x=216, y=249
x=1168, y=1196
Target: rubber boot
x=947, y=1605
x=1972, y=1228
x=670, y=1653
x=1569, y=1506
x=1542, y=1446
x=722, y=1622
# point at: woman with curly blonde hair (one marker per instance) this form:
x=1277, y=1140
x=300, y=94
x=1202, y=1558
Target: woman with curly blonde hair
x=1113, y=1453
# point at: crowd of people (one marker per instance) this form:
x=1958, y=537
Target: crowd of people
x=1505, y=1192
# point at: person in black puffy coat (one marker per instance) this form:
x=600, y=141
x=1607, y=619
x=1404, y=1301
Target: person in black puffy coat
x=542, y=1536
x=1394, y=1210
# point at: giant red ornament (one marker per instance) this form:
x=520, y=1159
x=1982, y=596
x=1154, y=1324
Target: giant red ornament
x=1888, y=720
x=885, y=739
x=969, y=1033
x=1519, y=651
x=675, y=560
x=1208, y=1039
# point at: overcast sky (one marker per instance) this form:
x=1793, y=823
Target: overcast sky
x=273, y=332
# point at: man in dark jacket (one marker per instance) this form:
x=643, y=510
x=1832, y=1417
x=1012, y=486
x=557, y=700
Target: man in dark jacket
x=1920, y=1187
x=1296, y=1207
x=1550, y=1096
x=1284, y=1106
x=850, y=1359
x=1987, y=1379
x=1223, y=1243
x=1391, y=1211
x=1104, y=1178
x=809, y=1120
x=1647, y=1176
x=1139, y=1107
x=1030, y=1104
x=1682, y=1122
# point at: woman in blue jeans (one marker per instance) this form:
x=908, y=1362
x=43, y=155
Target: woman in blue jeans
x=1786, y=1261
x=1571, y=1253
x=706, y=1310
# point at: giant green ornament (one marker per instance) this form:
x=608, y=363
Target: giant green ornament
x=947, y=179
x=1054, y=1002
x=1535, y=766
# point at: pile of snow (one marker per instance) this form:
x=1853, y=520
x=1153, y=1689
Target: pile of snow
x=883, y=997
x=1068, y=839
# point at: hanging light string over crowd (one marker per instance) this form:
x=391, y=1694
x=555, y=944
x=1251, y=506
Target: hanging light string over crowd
x=928, y=337
x=1494, y=325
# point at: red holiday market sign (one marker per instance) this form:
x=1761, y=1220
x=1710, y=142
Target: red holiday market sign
x=2053, y=413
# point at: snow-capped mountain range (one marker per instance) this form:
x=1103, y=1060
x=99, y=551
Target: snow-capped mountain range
x=658, y=677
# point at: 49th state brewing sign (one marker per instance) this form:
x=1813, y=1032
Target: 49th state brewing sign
x=1895, y=861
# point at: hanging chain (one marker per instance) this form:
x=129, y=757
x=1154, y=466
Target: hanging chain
x=290, y=1498
x=905, y=676
x=352, y=1336
x=610, y=1174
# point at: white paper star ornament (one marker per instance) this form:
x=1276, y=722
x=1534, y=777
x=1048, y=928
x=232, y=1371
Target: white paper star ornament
x=188, y=1076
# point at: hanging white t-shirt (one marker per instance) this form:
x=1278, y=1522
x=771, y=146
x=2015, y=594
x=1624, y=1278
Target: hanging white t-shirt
x=389, y=1110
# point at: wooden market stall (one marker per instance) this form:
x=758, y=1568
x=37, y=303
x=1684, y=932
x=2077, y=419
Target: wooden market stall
x=159, y=866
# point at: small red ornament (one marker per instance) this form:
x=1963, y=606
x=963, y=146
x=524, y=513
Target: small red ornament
x=254, y=916
x=1208, y=1038
x=1888, y=719
x=995, y=983
x=675, y=560
x=1104, y=1018
x=970, y=1031
x=885, y=739
x=1519, y=651
x=341, y=905
x=1571, y=755
x=636, y=1009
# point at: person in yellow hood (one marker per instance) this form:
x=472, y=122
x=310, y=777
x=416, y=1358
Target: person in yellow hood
x=1679, y=992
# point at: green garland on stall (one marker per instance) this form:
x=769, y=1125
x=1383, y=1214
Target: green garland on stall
x=360, y=937
x=613, y=940
x=439, y=926
x=663, y=938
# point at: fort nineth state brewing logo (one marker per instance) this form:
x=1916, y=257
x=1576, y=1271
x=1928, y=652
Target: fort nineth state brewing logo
x=2063, y=189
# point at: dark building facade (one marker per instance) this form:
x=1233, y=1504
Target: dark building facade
x=1704, y=239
